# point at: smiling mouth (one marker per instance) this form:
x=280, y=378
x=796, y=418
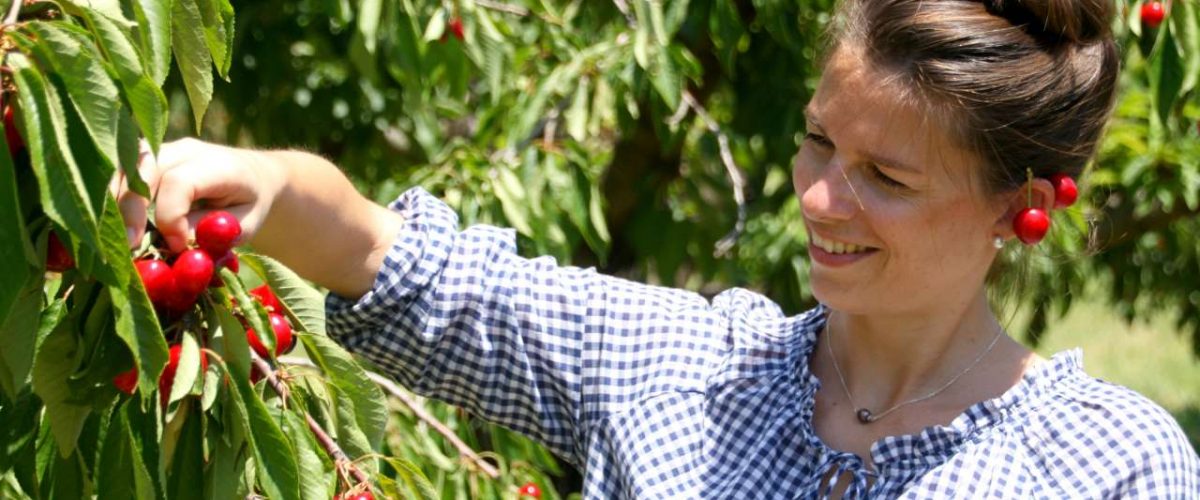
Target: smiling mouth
x=836, y=247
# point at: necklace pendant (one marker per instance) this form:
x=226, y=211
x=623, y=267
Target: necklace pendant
x=864, y=416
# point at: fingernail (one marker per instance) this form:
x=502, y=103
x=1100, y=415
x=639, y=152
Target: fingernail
x=131, y=235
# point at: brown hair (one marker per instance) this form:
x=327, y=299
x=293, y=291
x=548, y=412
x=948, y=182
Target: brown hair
x=1030, y=83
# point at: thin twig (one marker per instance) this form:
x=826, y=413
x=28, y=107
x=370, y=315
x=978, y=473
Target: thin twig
x=726, y=243
x=515, y=10
x=331, y=447
x=14, y=11
x=397, y=392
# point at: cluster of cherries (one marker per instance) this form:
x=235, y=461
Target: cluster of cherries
x=175, y=287
x=1031, y=224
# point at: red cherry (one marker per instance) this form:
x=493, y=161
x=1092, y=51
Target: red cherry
x=167, y=379
x=58, y=259
x=284, y=340
x=267, y=298
x=217, y=232
x=159, y=280
x=456, y=28
x=1153, y=14
x=530, y=489
x=366, y=495
x=11, y=134
x=126, y=381
x=1065, y=191
x=193, y=270
x=1031, y=225
x=230, y=261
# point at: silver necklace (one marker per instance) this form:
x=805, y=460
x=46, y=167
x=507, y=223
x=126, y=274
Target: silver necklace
x=866, y=416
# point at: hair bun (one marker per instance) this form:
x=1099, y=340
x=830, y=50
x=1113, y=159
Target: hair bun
x=1079, y=21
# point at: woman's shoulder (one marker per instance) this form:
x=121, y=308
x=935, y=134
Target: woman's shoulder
x=1099, y=431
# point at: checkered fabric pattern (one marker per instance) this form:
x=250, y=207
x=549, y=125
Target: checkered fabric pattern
x=659, y=393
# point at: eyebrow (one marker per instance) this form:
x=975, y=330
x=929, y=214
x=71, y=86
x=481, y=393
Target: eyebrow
x=875, y=158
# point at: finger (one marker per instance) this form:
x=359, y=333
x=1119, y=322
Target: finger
x=179, y=188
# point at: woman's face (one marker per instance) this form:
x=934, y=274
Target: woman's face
x=896, y=219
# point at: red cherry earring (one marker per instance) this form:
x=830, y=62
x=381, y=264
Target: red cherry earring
x=1065, y=191
x=1031, y=224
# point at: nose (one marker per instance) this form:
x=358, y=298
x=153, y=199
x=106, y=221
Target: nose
x=826, y=194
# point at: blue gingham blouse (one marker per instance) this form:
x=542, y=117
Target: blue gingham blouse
x=659, y=393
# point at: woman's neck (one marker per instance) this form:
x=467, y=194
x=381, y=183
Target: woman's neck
x=888, y=359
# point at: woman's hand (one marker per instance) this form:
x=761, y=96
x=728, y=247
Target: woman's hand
x=293, y=206
x=188, y=172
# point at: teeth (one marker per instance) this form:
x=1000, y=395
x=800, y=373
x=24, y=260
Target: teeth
x=835, y=247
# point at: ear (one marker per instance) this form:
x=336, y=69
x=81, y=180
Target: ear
x=1015, y=202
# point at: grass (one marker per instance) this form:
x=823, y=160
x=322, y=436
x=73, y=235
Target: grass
x=1152, y=358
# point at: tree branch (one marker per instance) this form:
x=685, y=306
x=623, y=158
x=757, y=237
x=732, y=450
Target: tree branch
x=726, y=243
x=397, y=392
x=331, y=447
x=14, y=11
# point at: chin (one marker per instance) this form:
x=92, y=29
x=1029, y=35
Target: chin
x=838, y=297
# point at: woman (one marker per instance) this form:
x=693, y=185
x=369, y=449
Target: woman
x=935, y=123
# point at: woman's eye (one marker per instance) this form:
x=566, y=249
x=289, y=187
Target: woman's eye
x=817, y=138
x=884, y=178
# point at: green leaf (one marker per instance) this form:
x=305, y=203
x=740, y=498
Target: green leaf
x=511, y=194
x=278, y=473
x=121, y=473
x=665, y=77
x=145, y=98
x=304, y=304
x=92, y=92
x=66, y=479
x=234, y=348
x=18, y=435
x=109, y=8
x=258, y=320
x=1185, y=24
x=412, y=477
x=217, y=16
x=63, y=191
x=188, y=369
x=317, y=478
x=19, y=336
x=576, y=115
x=192, y=55
x=212, y=388
x=229, y=458
x=1166, y=76
x=15, y=248
x=52, y=368
x=154, y=37
x=367, y=400
x=186, y=476
x=370, y=12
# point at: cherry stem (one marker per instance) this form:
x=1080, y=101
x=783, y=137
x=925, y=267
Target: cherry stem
x=331, y=447
x=1029, y=187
